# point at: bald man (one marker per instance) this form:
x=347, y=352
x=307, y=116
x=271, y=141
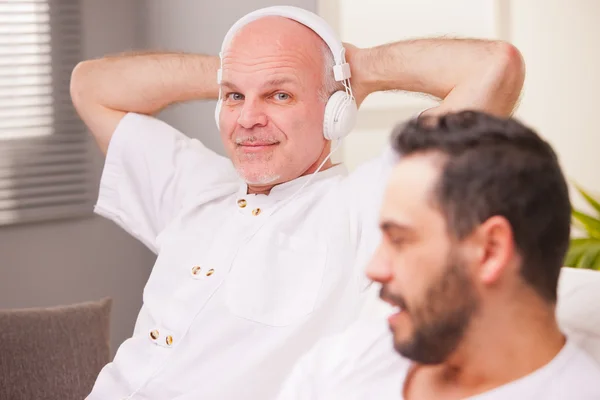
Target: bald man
x=260, y=253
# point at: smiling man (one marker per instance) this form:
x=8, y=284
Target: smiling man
x=260, y=253
x=476, y=222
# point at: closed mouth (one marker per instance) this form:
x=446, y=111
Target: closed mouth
x=253, y=147
x=257, y=144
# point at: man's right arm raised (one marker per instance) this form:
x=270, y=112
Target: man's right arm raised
x=151, y=168
x=104, y=90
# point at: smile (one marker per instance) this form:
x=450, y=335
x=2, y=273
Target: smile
x=256, y=146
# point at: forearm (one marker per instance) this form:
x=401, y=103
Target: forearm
x=145, y=83
x=465, y=73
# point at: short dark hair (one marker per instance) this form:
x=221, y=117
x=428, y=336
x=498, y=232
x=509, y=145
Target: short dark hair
x=497, y=166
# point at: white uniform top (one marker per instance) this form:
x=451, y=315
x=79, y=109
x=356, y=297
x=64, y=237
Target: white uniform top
x=361, y=364
x=229, y=308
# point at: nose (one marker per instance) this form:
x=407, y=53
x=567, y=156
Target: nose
x=252, y=114
x=380, y=268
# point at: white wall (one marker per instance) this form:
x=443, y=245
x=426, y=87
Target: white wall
x=63, y=262
x=560, y=42
x=561, y=46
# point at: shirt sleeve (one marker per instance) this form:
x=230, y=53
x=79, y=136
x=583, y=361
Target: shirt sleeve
x=314, y=372
x=151, y=169
x=358, y=359
x=300, y=384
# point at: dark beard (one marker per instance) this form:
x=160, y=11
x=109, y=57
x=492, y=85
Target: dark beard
x=440, y=321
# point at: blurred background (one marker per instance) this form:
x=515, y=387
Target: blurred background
x=54, y=251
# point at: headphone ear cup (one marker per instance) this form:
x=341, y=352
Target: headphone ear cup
x=218, y=113
x=340, y=116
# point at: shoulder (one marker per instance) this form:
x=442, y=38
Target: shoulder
x=362, y=343
x=359, y=360
x=148, y=143
x=365, y=340
x=144, y=126
x=143, y=132
x=579, y=376
x=583, y=363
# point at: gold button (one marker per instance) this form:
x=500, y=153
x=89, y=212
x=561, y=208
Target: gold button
x=256, y=211
x=196, y=269
x=169, y=340
x=154, y=334
x=242, y=203
x=210, y=272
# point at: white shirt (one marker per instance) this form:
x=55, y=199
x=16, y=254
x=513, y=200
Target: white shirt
x=238, y=292
x=361, y=364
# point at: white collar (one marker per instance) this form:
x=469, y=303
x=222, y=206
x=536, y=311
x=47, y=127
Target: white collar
x=282, y=191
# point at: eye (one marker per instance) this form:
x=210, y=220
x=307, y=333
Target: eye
x=397, y=241
x=235, y=96
x=282, y=96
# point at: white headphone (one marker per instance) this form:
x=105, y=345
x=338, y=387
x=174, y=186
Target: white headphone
x=341, y=109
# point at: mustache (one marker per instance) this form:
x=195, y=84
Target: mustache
x=254, y=139
x=385, y=295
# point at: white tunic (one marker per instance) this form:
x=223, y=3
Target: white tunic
x=243, y=284
x=361, y=364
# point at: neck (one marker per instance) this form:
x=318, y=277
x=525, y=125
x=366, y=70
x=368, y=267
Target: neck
x=266, y=189
x=507, y=345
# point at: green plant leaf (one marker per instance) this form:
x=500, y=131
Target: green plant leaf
x=576, y=249
x=580, y=251
x=593, y=202
x=596, y=265
x=589, y=257
x=591, y=224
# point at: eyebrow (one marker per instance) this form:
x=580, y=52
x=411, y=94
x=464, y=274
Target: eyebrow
x=280, y=81
x=229, y=85
x=270, y=83
x=388, y=226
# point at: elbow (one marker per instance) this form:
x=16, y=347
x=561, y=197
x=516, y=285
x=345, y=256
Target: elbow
x=512, y=65
x=508, y=73
x=80, y=84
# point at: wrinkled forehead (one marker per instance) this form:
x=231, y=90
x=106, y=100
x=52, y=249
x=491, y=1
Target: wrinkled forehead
x=275, y=43
x=270, y=30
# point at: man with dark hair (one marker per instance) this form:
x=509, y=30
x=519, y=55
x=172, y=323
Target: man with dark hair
x=475, y=223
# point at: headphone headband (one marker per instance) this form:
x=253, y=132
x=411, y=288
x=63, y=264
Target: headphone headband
x=341, y=70
x=340, y=110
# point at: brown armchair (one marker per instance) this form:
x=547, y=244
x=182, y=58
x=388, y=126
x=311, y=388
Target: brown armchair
x=53, y=353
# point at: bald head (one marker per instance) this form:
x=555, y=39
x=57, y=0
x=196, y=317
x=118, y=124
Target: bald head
x=279, y=31
x=280, y=36
x=276, y=76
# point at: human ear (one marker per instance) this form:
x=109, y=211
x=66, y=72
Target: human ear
x=494, y=249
